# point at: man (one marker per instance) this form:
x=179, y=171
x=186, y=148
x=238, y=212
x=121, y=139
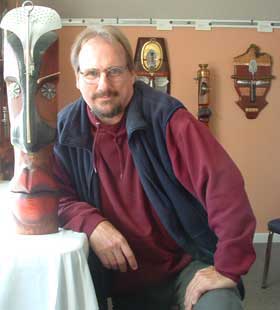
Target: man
x=163, y=205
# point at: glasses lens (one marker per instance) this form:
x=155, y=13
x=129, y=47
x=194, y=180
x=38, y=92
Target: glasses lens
x=91, y=75
x=113, y=74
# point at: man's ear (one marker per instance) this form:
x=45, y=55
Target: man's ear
x=77, y=76
x=133, y=76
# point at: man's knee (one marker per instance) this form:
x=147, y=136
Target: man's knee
x=220, y=299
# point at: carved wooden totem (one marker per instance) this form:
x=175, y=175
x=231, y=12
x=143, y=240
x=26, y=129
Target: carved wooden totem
x=6, y=149
x=31, y=75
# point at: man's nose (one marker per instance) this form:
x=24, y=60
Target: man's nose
x=103, y=82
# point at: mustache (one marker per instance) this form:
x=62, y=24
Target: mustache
x=109, y=93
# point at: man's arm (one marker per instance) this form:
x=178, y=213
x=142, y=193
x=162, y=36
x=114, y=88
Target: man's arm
x=105, y=240
x=205, y=170
x=73, y=213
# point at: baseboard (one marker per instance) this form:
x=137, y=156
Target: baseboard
x=262, y=238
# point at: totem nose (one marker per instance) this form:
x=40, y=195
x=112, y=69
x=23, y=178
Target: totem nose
x=31, y=180
x=30, y=133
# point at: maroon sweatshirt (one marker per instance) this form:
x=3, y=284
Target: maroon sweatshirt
x=202, y=167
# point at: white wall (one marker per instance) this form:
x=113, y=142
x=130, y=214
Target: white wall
x=185, y=9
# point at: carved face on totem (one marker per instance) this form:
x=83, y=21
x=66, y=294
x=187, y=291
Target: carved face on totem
x=31, y=75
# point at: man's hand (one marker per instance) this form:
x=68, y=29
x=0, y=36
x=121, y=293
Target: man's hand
x=112, y=248
x=205, y=280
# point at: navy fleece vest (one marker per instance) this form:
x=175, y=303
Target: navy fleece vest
x=148, y=114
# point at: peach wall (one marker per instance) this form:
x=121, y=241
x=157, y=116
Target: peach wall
x=253, y=144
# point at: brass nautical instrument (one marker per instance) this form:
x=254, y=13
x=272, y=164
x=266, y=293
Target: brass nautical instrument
x=203, y=77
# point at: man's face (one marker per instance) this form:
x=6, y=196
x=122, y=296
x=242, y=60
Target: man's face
x=106, y=96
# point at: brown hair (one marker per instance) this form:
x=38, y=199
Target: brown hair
x=109, y=33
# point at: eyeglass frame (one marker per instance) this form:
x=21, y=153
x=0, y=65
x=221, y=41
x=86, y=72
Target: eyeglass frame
x=107, y=72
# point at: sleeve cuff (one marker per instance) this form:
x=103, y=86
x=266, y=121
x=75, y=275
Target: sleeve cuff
x=91, y=223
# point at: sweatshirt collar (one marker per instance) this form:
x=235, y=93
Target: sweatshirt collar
x=78, y=124
x=135, y=119
x=97, y=123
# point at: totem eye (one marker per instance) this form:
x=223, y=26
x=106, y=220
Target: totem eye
x=48, y=91
x=13, y=89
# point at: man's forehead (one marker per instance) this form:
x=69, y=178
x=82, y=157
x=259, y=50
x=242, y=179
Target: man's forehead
x=98, y=52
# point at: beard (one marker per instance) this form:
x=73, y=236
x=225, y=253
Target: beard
x=116, y=106
x=116, y=110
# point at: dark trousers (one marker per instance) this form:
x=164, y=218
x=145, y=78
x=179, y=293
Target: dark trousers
x=171, y=295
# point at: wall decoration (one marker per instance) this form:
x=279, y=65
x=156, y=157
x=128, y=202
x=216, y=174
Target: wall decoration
x=252, y=79
x=151, y=63
x=203, y=77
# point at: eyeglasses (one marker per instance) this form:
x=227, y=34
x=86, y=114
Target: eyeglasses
x=113, y=74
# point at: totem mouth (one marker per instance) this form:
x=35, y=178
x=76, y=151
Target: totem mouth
x=34, y=206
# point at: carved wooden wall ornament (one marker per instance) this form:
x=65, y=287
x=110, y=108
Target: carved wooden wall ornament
x=252, y=80
x=151, y=63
